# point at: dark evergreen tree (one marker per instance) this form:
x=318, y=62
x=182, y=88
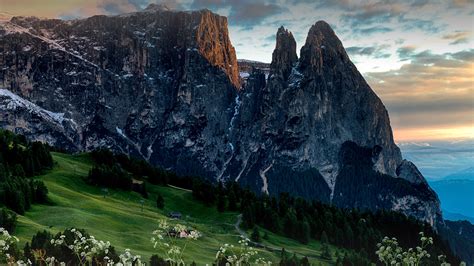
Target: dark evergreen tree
x=160, y=202
x=232, y=201
x=156, y=260
x=18, y=171
x=265, y=236
x=294, y=260
x=305, y=261
x=324, y=238
x=255, y=236
x=7, y=219
x=27, y=252
x=40, y=191
x=220, y=202
x=302, y=232
x=248, y=217
x=325, y=252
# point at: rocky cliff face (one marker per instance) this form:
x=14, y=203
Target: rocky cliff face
x=156, y=84
x=164, y=86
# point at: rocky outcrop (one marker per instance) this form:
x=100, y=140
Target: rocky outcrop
x=324, y=102
x=214, y=44
x=284, y=55
x=407, y=170
x=157, y=84
x=164, y=86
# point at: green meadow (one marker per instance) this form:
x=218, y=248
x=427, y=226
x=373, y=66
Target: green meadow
x=127, y=220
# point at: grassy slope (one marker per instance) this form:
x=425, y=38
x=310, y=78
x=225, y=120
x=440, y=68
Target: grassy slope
x=119, y=218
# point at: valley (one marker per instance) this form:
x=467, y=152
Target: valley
x=122, y=124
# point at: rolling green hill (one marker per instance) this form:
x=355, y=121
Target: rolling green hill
x=120, y=218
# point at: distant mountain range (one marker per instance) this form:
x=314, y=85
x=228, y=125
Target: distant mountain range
x=448, y=166
x=467, y=174
x=440, y=159
x=456, y=196
x=457, y=217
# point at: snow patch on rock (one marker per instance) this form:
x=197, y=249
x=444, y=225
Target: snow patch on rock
x=14, y=102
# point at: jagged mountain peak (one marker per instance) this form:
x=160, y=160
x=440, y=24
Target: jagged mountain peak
x=321, y=32
x=283, y=30
x=322, y=25
x=157, y=7
x=322, y=45
x=284, y=56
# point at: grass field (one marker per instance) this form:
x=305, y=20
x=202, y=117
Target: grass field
x=120, y=218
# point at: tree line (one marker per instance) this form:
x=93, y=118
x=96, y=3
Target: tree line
x=304, y=220
x=296, y=218
x=20, y=160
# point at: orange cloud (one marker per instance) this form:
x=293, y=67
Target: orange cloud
x=424, y=134
x=430, y=98
x=458, y=37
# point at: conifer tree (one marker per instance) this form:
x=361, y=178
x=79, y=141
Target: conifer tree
x=220, y=202
x=160, y=202
x=255, y=234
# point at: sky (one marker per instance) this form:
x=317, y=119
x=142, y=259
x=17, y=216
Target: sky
x=417, y=55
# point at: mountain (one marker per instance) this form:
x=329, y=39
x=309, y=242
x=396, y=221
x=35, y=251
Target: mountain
x=460, y=237
x=438, y=159
x=463, y=228
x=456, y=217
x=464, y=174
x=164, y=86
x=456, y=195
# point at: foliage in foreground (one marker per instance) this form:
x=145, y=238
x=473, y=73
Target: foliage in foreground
x=75, y=247
x=390, y=253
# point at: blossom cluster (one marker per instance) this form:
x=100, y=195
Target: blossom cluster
x=88, y=250
x=85, y=248
x=6, y=241
x=390, y=253
x=173, y=238
x=241, y=255
x=127, y=259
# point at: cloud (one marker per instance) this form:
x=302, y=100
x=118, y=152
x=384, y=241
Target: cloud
x=457, y=37
x=467, y=55
x=253, y=13
x=429, y=26
x=363, y=16
x=371, y=13
x=461, y=3
x=432, y=91
x=208, y=3
x=376, y=51
x=371, y=30
x=244, y=13
x=405, y=52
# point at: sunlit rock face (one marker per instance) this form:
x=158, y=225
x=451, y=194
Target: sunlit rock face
x=164, y=86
